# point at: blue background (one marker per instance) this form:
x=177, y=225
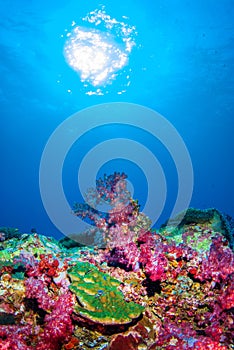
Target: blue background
x=182, y=67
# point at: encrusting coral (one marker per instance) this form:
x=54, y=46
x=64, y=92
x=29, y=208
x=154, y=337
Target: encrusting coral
x=101, y=301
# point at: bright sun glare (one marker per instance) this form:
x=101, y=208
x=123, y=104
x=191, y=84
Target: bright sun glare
x=101, y=48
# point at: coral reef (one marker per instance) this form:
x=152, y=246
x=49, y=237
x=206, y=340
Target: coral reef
x=171, y=288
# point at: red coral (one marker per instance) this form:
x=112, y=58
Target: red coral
x=147, y=237
x=174, y=252
x=208, y=344
x=72, y=344
x=47, y=266
x=214, y=331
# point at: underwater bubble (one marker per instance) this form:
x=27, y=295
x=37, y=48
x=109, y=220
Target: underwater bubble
x=99, y=49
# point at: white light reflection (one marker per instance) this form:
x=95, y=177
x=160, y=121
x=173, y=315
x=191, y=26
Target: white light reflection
x=99, y=50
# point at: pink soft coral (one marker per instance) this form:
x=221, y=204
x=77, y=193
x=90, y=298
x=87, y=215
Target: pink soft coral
x=14, y=337
x=58, y=324
x=154, y=262
x=126, y=257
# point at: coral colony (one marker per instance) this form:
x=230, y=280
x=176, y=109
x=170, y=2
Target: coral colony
x=145, y=289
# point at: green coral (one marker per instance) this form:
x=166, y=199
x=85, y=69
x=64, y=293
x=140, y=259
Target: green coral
x=5, y=256
x=31, y=243
x=26, y=245
x=171, y=234
x=99, y=298
x=38, y=244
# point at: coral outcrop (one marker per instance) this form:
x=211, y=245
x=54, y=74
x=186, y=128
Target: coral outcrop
x=171, y=288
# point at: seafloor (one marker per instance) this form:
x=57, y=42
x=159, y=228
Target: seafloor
x=171, y=288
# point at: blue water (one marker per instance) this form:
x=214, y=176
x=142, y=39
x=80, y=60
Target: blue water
x=181, y=67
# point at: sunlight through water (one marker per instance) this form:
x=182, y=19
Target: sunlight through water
x=99, y=49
